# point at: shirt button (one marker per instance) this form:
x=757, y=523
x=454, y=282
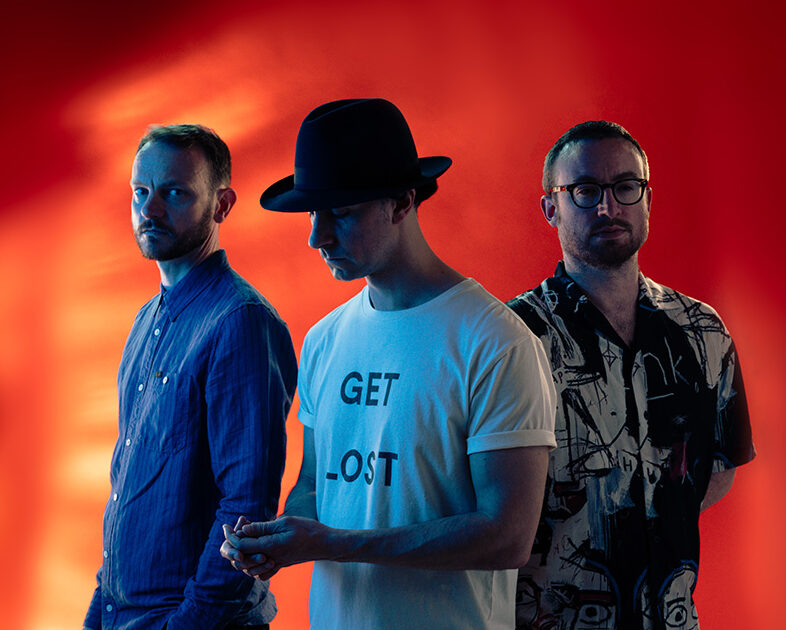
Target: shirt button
x=128, y=442
x=157, y=332
x=106, y=553
x=165, y=380
x=109, y=608
x=141, y=386
x=114, y=497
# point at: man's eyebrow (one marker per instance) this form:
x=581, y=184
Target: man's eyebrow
x=170, y=183
x=617, y=177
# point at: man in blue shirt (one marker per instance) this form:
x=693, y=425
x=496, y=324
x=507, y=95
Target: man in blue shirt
x=205, y=383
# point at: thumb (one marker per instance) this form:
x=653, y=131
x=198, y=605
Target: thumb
x=255, y=530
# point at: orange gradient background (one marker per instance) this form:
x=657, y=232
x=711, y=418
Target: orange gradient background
x=492, y=85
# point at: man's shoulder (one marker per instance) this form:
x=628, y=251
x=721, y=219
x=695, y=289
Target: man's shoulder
x=232, y=292
x=339, y=316
x=536, y=307
x=481, y=310
x=683, y=309
x=531, y=299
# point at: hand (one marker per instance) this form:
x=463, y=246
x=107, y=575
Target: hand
x=263, y=567
x=261, y=549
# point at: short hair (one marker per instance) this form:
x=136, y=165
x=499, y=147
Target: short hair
x=590, y=130
x=187, y=136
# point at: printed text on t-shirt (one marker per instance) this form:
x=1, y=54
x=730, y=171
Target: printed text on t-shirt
x=352, y=466
x=353, y=386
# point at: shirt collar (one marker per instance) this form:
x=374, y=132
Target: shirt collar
x=576, y=300
x=198, y=279
x=573, y=291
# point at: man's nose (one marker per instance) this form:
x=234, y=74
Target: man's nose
x=322, y=233
x=608, y=204
x=152, y=206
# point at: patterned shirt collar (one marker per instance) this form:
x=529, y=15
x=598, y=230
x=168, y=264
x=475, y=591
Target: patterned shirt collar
x=574, y=297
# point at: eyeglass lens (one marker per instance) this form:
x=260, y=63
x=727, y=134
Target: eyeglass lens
x=626, y=192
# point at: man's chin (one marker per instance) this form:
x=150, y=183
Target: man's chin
x=156, y=253
x=340, y=273
x=612, y=255
x=155, y=249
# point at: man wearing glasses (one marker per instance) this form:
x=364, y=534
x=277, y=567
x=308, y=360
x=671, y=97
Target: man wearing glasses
x=651, y=417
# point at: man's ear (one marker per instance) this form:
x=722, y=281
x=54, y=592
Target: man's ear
x=403, y=205
x=226, y=198
x=549, y=210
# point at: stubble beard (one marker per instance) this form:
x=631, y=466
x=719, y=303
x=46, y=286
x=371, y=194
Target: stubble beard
x=611, y=255
x=186, y=242
x=605, y=254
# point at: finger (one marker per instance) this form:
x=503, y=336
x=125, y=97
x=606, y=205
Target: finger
x=249, y=561
x=229, y=552
x=262, y=575
x=261, y=569
x=255, y=530
x=231, y=537
x=244, y=564
x=267, y=575
x=241, y=520
x=250, y=545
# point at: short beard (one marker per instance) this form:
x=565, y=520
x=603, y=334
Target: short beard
x=607, y=255
x=610, y=256
x=187, y=242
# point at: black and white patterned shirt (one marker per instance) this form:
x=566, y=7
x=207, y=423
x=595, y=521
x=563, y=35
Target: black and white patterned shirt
x=639, y=432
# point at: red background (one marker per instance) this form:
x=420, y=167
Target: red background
x=698, y=83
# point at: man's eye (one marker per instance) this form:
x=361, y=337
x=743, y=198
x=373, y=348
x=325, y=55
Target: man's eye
x=175, y=192
x=585, y=191
x=139, y=192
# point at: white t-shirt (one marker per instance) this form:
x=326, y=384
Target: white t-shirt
x=398, y=400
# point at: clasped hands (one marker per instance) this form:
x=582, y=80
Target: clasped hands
x=261, y=549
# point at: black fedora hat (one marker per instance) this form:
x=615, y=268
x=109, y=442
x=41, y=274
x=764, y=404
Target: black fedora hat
x=351, y=151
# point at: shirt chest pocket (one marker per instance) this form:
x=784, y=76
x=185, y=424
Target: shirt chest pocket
x=170, y=413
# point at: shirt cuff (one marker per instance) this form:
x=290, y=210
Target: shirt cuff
x=510, y=439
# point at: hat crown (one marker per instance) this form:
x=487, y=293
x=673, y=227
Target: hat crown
x=352, y=151
x=355, y=144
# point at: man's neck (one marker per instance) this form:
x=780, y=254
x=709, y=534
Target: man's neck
x=173, y=271
x=415, y=277
x=613, y=291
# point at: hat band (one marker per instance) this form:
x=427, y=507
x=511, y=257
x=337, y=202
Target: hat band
x=318, y=179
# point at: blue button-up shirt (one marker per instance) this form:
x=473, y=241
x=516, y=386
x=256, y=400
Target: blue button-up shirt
x=205, y=383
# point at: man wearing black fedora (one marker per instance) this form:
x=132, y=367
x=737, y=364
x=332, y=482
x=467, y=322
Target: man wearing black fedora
x=427, y=405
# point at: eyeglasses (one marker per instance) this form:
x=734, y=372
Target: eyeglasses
x=588, y=194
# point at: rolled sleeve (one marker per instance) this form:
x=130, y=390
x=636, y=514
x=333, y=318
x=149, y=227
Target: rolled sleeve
x=514, y=403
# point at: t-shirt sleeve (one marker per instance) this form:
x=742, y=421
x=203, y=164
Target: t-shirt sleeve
x=733, y=440
x=513, y=402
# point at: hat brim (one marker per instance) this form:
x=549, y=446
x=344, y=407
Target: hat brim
x=284, y=197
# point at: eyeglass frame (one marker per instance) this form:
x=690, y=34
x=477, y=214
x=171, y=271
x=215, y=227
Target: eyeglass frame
x=569, y=188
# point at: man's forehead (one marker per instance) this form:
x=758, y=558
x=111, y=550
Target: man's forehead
x=600, y=158
x=163, y=160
